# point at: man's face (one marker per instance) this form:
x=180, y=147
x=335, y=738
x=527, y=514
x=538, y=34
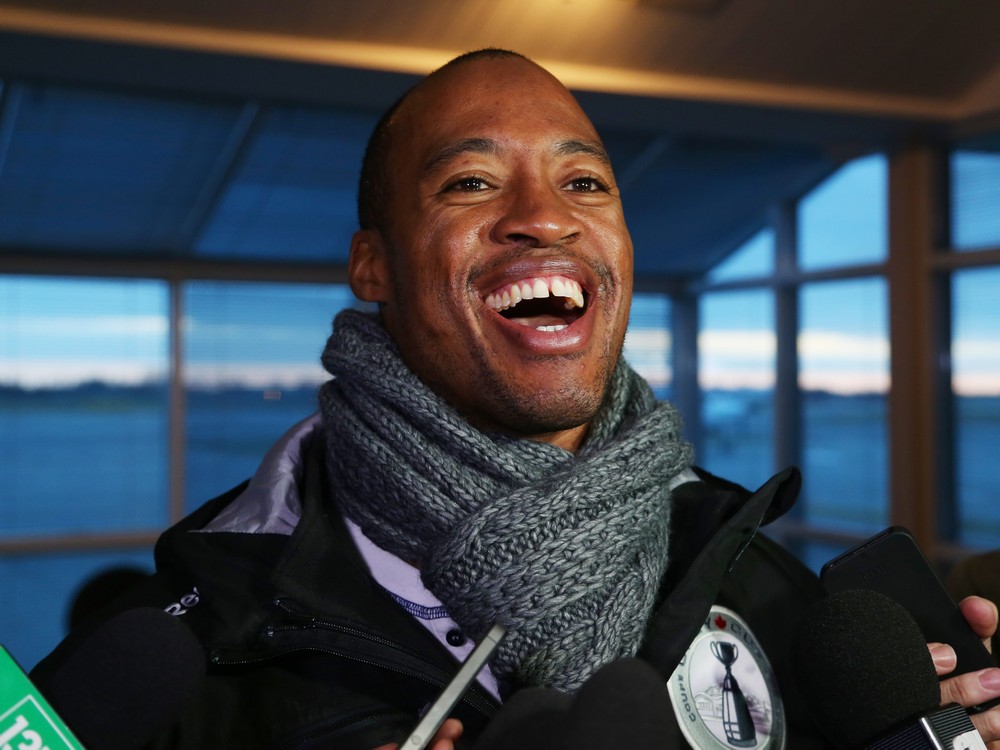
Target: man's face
x=508, y=265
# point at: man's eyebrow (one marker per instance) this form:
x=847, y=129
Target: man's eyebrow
x=491, y=147
x=464, y=146
x=590, y=148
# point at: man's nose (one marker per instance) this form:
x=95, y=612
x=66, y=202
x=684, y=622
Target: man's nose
x=537, y=216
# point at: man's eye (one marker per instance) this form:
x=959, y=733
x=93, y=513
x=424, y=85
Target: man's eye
x=587, y=185
x=469, y=185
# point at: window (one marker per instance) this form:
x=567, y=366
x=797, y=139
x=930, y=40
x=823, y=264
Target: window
x=736, y=349
x=844, y=221
x=83, y=406
x=753, y=260
x=831, y=352
x=844, y=376
x=85, y=414
x=252, y=368
x=975, y=199
x=647, y=342
x=976, y=387
x=83, y=429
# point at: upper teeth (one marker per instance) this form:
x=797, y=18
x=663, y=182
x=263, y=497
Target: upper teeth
x=558, y=286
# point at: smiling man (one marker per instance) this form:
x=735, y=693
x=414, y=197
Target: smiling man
x=498, y=250
x=484, y=455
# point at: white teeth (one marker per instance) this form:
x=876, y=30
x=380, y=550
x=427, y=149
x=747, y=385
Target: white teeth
x=537, y=288
x=551, y=328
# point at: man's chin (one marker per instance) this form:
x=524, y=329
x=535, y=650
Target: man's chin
x=560, y=420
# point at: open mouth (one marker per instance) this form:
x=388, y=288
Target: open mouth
x=545, y=303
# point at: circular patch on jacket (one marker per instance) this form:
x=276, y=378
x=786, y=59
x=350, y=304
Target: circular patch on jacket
x=724, y=692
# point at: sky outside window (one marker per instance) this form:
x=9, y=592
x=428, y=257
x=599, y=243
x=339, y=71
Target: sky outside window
x=252, y=370
x=752, y=260
x=83, y=414
x=648, y=341
x=975, y=199
x=736, y=351
x=976, y=385
x=844, y=221
x=61, y=332
x=844, y=374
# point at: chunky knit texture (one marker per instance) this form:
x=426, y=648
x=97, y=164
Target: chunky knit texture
x=567, y=550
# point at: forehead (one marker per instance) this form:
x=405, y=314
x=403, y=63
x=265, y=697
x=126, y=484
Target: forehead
x=505, y=99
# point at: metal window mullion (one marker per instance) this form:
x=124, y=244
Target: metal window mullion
x=787, y=396
x=940, y=279
x=684, y=351
x=913, y=411
x=178, y=405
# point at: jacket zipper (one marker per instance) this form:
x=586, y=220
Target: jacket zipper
x=310, y=623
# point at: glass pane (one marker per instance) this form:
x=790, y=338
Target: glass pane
x=976, y=384
x=40, y=590
x=844, y=221
x=83, y=405
x=844, y=375
x=647, y=343
x=754, y=259
x=975, y=199
x=252, y=366
x=736, y=351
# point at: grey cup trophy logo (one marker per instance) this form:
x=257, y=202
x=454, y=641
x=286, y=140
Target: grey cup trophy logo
x=736, y=719
x=724, y=692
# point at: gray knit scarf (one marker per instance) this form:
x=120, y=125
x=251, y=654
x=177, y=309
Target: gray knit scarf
x=567, y=550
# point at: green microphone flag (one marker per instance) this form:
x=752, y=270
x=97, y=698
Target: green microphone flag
x=27, y=722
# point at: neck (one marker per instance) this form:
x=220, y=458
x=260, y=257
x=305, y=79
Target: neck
x=569, y=440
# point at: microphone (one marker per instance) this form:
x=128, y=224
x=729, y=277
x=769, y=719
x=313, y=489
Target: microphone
x=624, y=704
x=124, y=682
x=535, y=718
x=862, y=663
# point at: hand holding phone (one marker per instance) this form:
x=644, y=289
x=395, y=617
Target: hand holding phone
x=435, y=716
x=892, y=564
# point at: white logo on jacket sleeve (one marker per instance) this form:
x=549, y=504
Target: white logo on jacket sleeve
x=724, y=692
x=179, y=608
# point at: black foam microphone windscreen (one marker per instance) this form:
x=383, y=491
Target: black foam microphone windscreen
x=127, y=680
x=624, y=704
x=863, y=665
x=535, y=718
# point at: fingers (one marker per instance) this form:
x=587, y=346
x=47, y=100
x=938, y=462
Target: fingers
x=981, y=614
x=944, y=658
x=972, y=688
x=447, y=735
x=988, y=726
x=444, y=739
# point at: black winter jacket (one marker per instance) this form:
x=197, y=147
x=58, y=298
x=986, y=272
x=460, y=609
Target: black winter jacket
x=305, y=651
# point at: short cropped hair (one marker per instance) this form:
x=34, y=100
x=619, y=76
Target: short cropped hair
x=373, y=186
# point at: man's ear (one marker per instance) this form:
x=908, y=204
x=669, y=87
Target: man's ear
x=368, y=266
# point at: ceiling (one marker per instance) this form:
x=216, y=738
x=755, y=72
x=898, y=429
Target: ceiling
x=233, y=128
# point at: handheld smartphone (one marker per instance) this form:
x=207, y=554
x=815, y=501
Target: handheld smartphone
x=434, y=717
x=891, y=563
